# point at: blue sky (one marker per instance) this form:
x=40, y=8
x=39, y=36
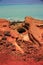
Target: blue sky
x=21, y=1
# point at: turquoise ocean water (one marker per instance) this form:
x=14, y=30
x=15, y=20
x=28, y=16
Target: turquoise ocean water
x=19, y=12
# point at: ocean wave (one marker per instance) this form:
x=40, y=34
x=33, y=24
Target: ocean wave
x=15, y=19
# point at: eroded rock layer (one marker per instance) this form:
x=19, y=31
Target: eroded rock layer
x=21, y=40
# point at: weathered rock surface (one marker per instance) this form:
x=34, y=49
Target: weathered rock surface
x=22, y=40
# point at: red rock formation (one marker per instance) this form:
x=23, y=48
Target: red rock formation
x=21, y=41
